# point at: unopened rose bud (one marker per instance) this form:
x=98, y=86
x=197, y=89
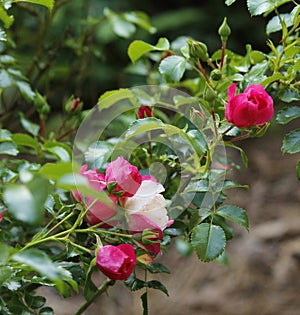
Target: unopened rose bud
x=144, y=111
x=150, y=237
x=145, y=259
x=168, y=54
x=224, y=30
x=216, y=75
x=197, y=50
x=73, y=105
x=41, y=104
x=209, y=94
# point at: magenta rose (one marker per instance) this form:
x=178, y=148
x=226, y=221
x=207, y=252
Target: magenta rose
x=116, y=262
x=1, y=216
x=144, y=111
x=99, y=211
x=251, y=108
x=126, y=177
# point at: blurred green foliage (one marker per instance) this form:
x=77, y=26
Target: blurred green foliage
x=84, y=54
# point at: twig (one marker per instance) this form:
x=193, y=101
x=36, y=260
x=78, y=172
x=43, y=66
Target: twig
x=107, y=283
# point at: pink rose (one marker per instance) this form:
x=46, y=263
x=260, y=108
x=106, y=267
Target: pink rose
x=116, y=262
x=99, y=211
x=126, y=176
x=1, y=217
x=144, y=111
x=148, y=202
x=251, y=108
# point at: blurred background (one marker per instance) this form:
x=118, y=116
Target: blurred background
x=85, y=50
x=84, y=58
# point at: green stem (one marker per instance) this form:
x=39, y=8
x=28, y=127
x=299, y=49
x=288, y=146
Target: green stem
x=102, y=232
x=105, y=285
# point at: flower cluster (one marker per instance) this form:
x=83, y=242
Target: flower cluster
x=134, y=198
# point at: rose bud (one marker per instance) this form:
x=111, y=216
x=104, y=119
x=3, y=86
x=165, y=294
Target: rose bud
x=116, y=262
x=144, y=111
x=251, y=108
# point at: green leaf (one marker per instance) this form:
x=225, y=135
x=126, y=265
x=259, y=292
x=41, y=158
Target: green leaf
x=25, y=140
x=121, y=27
x=291, y=142
x=259, y=7
x=78, y=182
x=141, y=19
x=39, y=261
x=5, y=135
x=133, y=283
x=198, y=141
x=5, y=274
x=289, y=95
x=5, y=79
x=242, y=153
x=5, y=251
x=219, y=221
x=173, y=68
x=35, y=302
x=46, y=311
x=157, y=267
x=275, y=25
x=155, y=284
x=8, y=148
x=109, y=98
x=274, y=77
x=287, y=114
x=46, y=3
x=26, y=202
x=98, y=153
x=208, y=241
x=60, y=150
x=139, y=48
x=7, y=19
x=298, y=169
x=25, y=90
x=28, y=125
x=55, y=171
x=229, y=2
x=234, y=214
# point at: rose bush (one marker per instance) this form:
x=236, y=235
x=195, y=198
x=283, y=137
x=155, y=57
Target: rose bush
x=251, y=108
x=63, y=223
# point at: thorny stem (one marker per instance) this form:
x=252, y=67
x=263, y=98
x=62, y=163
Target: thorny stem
x=68, y=132
x=104, y=286
x=245, y=136
x=201, y=69
x=214, y=122
x=42, y=126
x=227, y=130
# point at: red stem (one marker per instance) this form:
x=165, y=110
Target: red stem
x=222, y=55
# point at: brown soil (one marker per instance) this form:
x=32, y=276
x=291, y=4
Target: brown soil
x=263, y=276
